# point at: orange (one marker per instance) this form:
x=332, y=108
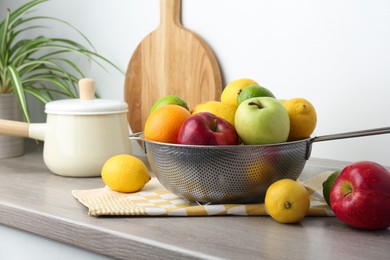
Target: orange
x=303, y=118
x=163, y=125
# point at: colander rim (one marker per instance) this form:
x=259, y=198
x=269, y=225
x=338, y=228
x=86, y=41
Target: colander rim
x=241, y=146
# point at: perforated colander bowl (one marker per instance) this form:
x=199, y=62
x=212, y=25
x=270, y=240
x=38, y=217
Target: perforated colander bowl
x=231, y=174
x=224, y=174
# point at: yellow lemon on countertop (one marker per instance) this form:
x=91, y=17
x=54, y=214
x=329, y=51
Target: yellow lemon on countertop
x=217, y=108
x=303, y=118
x=125, y=173
x=287, y=201
x=230, y=92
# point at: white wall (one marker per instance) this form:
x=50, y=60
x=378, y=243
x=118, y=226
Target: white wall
x=335, y=53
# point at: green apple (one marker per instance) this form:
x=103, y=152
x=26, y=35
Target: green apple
x=262, y=120
x=252, y=91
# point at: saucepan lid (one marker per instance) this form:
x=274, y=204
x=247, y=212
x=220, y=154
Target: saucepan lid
x=87, y=104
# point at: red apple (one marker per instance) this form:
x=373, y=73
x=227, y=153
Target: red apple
x=360, y=196
x=207, y=129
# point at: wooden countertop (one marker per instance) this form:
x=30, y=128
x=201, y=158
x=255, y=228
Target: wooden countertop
x=34, y=200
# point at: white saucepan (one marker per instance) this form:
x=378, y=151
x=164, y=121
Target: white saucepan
x=79, y=134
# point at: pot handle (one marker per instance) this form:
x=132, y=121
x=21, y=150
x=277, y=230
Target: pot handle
x=14, y=128
x=22, y=129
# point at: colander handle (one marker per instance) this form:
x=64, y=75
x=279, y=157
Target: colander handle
x=136, y=136
x=367, y=132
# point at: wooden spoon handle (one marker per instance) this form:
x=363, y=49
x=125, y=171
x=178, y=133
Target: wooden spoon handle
x=170, y=12
x=14, y=128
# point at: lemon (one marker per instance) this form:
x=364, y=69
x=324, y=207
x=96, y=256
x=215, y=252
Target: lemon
x=217, y=108
x=252, y=91
x=303, y=118
x=287, y=201
x=230, y=92
x=125, y=173
x=169, y=100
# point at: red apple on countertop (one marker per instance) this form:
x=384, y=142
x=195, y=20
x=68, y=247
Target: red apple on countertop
x=360, y=196
x=207, y=129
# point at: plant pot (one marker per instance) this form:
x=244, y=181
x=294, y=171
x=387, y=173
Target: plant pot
x=9, y=109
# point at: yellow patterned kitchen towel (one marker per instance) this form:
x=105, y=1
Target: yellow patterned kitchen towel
x=155, y=200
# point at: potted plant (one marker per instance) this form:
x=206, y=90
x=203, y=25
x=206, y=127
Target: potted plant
x=40, y=66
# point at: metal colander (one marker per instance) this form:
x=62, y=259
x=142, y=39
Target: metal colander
x=231, y=174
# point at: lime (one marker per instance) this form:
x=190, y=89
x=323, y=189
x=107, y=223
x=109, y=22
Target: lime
x=252, y=91
x=327, y=185
x=125, y=173
x=169, y=100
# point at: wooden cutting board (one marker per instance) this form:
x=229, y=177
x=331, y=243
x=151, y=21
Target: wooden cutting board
x=171, y=60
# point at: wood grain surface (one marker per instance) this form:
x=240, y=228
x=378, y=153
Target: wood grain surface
x=14, y=128
x=171, y=60
x=34, y=200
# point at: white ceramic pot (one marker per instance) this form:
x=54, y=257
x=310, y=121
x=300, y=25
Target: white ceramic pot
x=79, y=134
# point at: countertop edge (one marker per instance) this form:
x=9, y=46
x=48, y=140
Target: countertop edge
x=82, y=235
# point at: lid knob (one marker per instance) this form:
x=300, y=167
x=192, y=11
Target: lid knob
x=87, y=89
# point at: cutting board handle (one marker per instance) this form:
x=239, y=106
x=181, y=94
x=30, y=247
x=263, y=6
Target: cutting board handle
x=170, y=12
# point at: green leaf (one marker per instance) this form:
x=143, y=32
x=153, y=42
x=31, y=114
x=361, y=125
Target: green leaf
x=19, y=12
x=54, y=80
x=19, y=91
x=3, y=41
x=44, y=18
x=38, y=95
x=40, y=66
